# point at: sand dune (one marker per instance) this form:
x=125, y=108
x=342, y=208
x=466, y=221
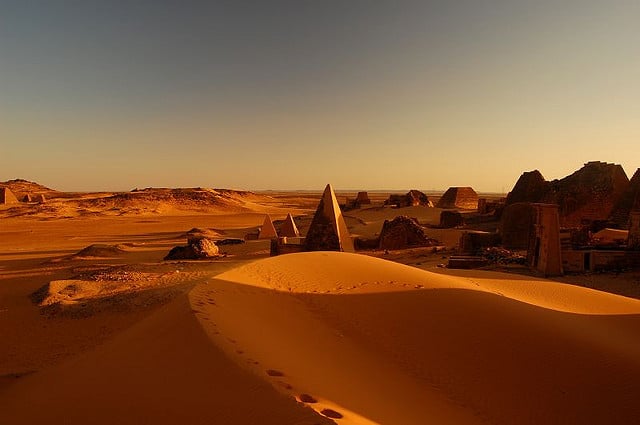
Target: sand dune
x=163, y=370
x=384, y=343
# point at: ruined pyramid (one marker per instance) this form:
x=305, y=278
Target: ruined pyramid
x=267, y=231
x=289, y=228
x=328, y=231
x=7, y=196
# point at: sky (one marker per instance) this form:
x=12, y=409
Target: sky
x=362, y=94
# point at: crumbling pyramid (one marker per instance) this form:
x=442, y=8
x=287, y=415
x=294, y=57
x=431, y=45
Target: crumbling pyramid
x=7, y=197
x=586, y=197
x=289, y=228
x=328, y=231
x=267, y=231
x=530, y=187
x=459, y=197
x=628, y=202
x=363, y=198
x=412, y=198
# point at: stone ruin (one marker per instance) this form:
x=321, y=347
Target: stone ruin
x=459, y=197
x=7, y=196
x=450, y=219
x=197, y=248
x=585, y=197
x=27, y=198
x=630, y=200
x=40, y=198
x=362, y=198
x=328, y=230
x=267, y=231
x=403, y=232
x=412, y=198
x=289, y=228
x=515, y=225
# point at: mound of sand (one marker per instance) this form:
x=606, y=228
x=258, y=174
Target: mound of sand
x=379, y=342
x=99, y=251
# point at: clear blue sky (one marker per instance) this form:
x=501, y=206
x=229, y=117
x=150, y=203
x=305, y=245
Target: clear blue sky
x=111, y=95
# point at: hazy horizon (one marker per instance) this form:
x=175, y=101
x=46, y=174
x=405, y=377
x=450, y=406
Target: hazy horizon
x=281, y=95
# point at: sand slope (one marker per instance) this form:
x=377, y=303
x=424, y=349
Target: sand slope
x=385, y=343
x=164, y=370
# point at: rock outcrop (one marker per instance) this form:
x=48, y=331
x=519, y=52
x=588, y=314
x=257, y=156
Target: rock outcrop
x=403, y=232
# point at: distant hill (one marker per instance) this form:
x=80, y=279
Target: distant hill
x=21, y=187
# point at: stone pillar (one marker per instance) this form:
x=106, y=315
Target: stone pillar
x=633, y=242
x=544, y=253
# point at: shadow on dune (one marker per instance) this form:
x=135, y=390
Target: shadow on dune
x=507, y=361
x=512, y=362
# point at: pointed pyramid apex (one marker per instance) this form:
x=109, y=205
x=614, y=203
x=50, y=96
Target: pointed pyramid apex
x=328, y=230
x=267, y=231
x=289, y=228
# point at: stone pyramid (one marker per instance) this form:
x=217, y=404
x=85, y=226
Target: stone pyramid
x=289, y=228
x=267, y=231
x=7, y=196
x=328, y=231
x=459, y=197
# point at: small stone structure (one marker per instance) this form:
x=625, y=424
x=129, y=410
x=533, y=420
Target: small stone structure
x=197, y=248
x=7, y=196
x=515, y=225
x=449, y=219
x=40, y=198
x=412, y=198
x=27, y=198
x=289, y=228
x=328, y=230
x=459, y=197
x=544, y=254
x=403, y=232
x=267, y=231
x=363, y=199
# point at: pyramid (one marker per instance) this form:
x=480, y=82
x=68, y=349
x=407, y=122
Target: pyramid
x=620, y=214
x=7, y=197
x=328, y=231
x=289, y=228
x=267, y=231
x=459, y=197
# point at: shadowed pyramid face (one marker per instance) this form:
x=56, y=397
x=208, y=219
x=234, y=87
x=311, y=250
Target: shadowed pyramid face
x=267, y=231
x=289, y=228
x=328, y=231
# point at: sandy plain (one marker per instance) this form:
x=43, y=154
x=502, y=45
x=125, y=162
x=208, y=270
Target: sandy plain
x=310, y=338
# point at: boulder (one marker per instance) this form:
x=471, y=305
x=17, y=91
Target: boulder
x=197, y=248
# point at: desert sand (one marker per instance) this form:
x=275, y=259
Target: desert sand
x=114, y=334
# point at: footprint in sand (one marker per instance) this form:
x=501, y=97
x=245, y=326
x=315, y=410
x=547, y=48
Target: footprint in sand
x=330, y=413
x=285, y=385
x=273, y=372
x=306, y=398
